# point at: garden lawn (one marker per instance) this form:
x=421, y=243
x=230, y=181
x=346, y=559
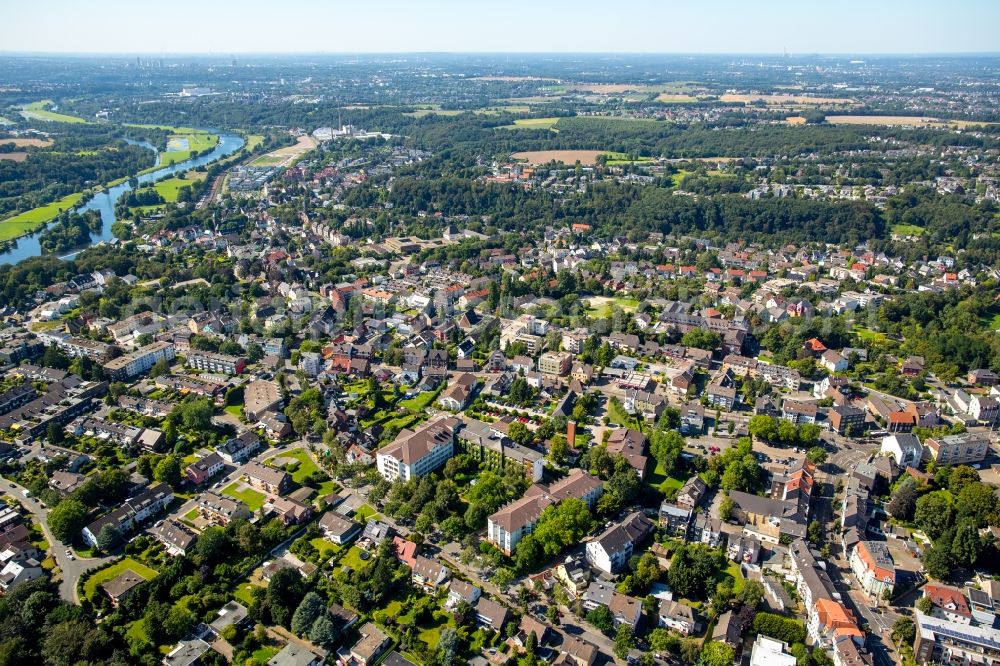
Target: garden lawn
x=907, y=230
x=419, y=403
x=327, y=549
x=253, y=499
x=662, y=482
x=306, y=465
x=244, y=593
x=104, y=575
x=619, y=416
x=352, y=558
x=367, y=511
x=733, y=574
x=432, y=634
x=235, y=410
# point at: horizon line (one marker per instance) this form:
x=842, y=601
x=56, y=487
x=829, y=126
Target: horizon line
x=781, y=54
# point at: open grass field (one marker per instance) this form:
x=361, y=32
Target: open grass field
x=40, y=111
x=30, y=220
x=601, y=306
x=569, y=157
x=253, y=140
x=907, y=230
x=23, y=142
x=532, y=123
x=511, y=79
x=14, y=157
x=915, y=121
x=116, y=569
x=288, y=155
x=253, y=499
x=170, y=188
x=182, y=146
x=777, y=100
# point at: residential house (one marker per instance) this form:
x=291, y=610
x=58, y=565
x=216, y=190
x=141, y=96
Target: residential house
x=611, y=550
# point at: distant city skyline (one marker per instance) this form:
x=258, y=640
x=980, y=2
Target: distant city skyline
x=517, y=26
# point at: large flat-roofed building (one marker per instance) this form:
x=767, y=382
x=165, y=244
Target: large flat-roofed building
x=873, y=566
x=941, y=641
x=217, y=363
x=415, y=453
x=260, y=397
x=957, y=449
x=142, y=359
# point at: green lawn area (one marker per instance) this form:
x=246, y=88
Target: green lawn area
x=733, y=575
x=263, y=655
x=29, y=220
x=665, y=484
x=267, y=160
x=367, y=511
x=191, y=515
x=327, y=549
x=419, y=403
x=253, y=499
x=306, y=464
x=328, y=487
x=244, y=593
x=253, y=140
x=869, y=335
x=600, y=306
x=619, y=416
x=432, y=634
x=532, y=123
x=907, y=230
x=90, y=587
x=39, y=111
x=136, y=633
x=235, y=410
x=352, y=558
x=420, y=113
x=170, y=188
x=618, y=159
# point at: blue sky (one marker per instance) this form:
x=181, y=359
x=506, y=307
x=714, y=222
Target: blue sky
x=381, y=26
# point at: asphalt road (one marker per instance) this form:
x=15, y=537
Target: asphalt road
x=70, y=569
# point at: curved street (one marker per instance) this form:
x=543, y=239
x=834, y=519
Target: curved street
x=70, y=569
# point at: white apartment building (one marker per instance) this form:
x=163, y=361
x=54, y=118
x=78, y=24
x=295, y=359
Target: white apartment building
x=414, y=454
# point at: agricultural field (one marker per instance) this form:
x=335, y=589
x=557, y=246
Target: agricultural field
x=673, y=98
x=570, y=157
x=253, y=140
x=915, y=121
x=532, y=123
x=780, y=100
x=420, y=113
x=23, y=142
x=14, y=157
x=30, y=220
x=40, y=111
x=104, y=575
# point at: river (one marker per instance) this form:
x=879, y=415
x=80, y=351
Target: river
x=104, y=202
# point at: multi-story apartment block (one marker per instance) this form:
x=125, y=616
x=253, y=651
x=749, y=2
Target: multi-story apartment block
x=957, y=449
x=142, y=359
x=414, y=454
x=217, y=363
